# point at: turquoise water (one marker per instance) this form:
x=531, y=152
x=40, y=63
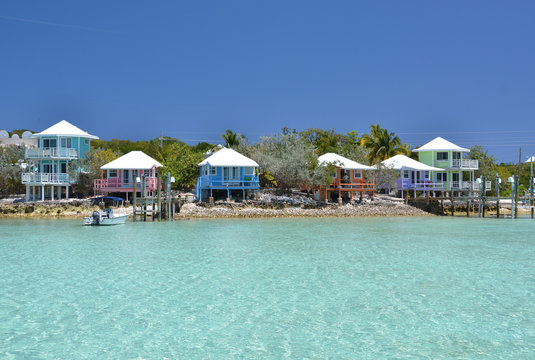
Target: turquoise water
x=403, y=288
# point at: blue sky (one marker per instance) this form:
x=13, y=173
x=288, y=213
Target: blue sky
x=463, y=70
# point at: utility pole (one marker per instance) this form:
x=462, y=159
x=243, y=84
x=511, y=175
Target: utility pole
x=161, y=141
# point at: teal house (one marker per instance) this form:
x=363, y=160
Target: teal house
x=229, y=174
x=457, y=171
x=47, y=165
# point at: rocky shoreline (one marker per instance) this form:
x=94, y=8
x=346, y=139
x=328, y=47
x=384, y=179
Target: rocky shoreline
x=269, y=206
x=256, y=209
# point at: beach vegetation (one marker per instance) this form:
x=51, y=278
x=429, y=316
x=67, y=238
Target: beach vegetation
x=487, y=163
x=86, y=170
x=231, y=138
x=181, y=161
x=11, y=167
x=382, y=144
x=385, y=178
x=290, y=160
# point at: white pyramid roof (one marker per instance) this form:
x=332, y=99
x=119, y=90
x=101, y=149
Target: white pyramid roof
x=134, y=160
x=228, y=157
x=402, y=162
x=343, y=162
x=65, y=128
x=531, y=159
x=440, y=144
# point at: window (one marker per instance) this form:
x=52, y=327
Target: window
x=49, y=143
x=358, y=174
x=66, y=143
x=456, y=155
x=63, y=168
x=146, y=173
x=426, y=174
x=442, y=156
x=213, y=170
x=405, y=174
x=112, y=173
x=248, y=171
x=87, y=141
x=442, y=176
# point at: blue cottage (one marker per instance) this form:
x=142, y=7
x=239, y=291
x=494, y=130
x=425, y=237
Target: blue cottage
x=227, y=173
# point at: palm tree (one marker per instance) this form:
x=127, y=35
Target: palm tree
x=382, y=144
x=231, y=138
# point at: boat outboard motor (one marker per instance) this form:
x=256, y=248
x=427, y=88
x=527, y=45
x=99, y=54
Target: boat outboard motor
x=96, y=217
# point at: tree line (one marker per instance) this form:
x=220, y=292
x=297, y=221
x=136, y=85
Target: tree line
x=287, y=159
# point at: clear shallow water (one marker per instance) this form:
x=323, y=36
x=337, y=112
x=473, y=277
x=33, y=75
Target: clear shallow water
x=273, y=288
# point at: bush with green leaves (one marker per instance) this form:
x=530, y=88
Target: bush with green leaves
x=11, y=158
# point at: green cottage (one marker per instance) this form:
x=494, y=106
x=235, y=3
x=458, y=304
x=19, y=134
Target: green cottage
x=458, y=174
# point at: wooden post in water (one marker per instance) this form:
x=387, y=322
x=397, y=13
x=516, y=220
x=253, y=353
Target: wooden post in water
x=134, y=196
x=467, y=208
x=483, y=194
x=531, y=186
x=497, y=196
x=516, y=195
x=452, y=204
x=144, y=197
x=168, y=183
x=159, y=184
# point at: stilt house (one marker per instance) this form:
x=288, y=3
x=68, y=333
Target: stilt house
x=457, y=173
x=413, y=175
x=48, y=164
x=349, y=179
x=227, y=173
x=118, y=175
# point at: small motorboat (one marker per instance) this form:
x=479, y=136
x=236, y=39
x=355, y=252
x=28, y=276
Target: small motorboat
x=106, y=217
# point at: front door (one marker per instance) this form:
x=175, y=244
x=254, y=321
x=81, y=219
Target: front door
x=126, y=176
x=225, y=175
x=455, y=180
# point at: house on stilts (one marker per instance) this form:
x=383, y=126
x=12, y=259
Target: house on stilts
x=414, y=176
x=118, y=176
x=350, y=179
x=48, y=164
x=457, y=172
x=228, y=174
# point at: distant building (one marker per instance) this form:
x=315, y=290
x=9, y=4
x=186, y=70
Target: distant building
x=118, y=175
x=229, y=173
x=26, y=139
x=48, y=164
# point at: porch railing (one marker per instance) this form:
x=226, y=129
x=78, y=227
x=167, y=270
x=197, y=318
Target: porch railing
x=118, y=183
x=469, y=185
x=407, y=184
x=51, y=153
x=246, y=181
x=358, y=185
x=468, y=164
x=45, y=178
